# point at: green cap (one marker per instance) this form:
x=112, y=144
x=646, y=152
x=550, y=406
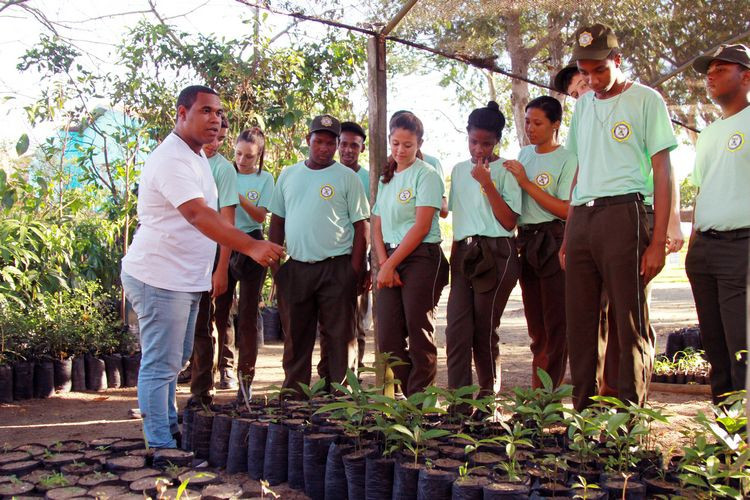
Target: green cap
x=737, y=53
x=325, y=123
x=594, y=42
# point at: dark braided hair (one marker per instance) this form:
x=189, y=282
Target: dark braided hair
x=254, y=135
x=407, y=121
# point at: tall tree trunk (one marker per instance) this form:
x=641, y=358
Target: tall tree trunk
x=519, y=63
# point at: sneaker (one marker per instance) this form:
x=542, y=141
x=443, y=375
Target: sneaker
x=135, y=413
x=185, y=375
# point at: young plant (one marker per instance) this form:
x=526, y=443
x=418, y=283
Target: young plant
x=545, y=407
x=458, y=400
x=514, y=437
x=582, y=484
x=312, y=392
x=54, y=480
x=584, y=429
x=415, y=437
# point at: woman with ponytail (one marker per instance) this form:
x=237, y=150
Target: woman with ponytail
x=413, y=269
x=545, y=171
x=255, y=187
x=485, y=200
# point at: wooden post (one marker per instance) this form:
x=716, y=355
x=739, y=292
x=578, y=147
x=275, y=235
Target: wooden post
x=377, y=98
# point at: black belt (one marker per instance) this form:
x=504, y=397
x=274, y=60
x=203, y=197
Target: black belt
x=475, y=239
x=614, y=200
x=734, y=234
x=529, y=228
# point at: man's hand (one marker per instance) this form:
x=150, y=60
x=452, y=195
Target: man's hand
x=675, y=237
x=365, y=284
x=561, y=253
x=219, y=283
x=265, y=253
x=652, y=261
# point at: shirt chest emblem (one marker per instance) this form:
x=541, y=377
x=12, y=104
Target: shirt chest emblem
x=621, y=131
x=327, y=191
x=405, y=195
x=253, y=195
x=543, y=179
x=736, y=142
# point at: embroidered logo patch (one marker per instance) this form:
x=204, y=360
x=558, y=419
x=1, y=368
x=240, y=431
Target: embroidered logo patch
x=736, y=142
x=405, y=195
x=543, y=179
x=326, y=121
x=326, y=192
x=585, y=39
x=253, y=195
x=621, y=131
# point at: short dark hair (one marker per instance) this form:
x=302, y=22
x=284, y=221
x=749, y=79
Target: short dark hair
x=549, y=105
x=189, y=95
x=565, y=78
x=224, y=122
x=354, y=128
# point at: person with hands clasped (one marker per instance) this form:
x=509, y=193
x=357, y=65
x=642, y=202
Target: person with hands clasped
x=620, y=132
x=485, y=200
x=544, y=171
x=413, y=269
x=255, y=187
x=319, y=207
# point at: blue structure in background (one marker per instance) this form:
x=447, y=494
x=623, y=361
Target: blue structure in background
x=112, y=124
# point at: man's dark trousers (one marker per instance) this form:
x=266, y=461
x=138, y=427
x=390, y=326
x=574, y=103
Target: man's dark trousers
x=604, y=246
x=716, y=265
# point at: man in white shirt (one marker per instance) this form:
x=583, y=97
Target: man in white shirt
x=170, y=260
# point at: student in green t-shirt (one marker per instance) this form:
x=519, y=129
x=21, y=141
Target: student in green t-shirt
x=351, y=146
x=255, y=188
x=717, y=257
x=412, y=267
x=545, y=171
x=485, y=200
x=620, y=132
x=209, y=313
x=320, y=209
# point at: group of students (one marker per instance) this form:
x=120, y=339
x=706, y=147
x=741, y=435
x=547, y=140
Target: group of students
x=584, y=228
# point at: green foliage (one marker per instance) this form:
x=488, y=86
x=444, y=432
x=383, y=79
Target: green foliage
x=688, y=192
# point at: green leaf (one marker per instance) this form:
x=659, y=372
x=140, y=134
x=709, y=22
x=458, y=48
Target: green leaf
x=616, y=421
x=22, y=145
x=403, y=430
x=545, y=379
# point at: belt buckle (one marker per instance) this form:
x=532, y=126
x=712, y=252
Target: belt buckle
x=469, y=240
x=590, y=203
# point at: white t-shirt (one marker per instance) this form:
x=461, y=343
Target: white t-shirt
x=167, y=251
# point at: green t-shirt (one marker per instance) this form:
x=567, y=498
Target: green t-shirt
x=435, y=163
x=364, y=176
x=722, y=172
x=553, y=172
x=472, y=212
x=397, y=202
x=258, y=188
x=225, y=177
x=614, y=140
x=320, y=208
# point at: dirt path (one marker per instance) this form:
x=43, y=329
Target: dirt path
x=90, y=415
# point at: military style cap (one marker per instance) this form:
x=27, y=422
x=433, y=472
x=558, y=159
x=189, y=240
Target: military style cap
x=325, y=123
x=559, y=82
x=594, y=42
x=737, y=53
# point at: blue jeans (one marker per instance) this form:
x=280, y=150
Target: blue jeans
x=167, y=322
